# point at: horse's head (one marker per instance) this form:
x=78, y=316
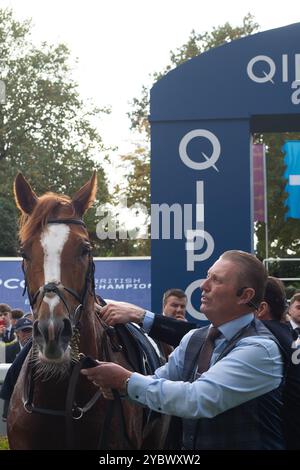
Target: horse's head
x=57, y=264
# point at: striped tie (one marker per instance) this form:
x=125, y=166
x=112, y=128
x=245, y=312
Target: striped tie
x=207, y=350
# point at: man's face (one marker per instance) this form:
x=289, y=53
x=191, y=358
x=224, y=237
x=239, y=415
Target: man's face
x=4, y=317
x=294, y=311
x=219, y=300
x=175, y=307
x=24, y=335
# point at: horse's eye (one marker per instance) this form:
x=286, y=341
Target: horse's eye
x=85, y=250
x=23, y=254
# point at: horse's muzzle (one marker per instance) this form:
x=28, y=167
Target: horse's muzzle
x=53, y=337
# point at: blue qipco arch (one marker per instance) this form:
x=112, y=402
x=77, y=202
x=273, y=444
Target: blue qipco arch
x=202, y=118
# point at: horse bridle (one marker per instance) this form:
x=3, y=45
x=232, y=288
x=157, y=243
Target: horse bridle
x=70, y=412
x=59, y=288
x=75, y=318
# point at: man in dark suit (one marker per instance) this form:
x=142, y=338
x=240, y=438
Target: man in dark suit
x=294, y=313
x=23, y=331
x=272, y=312
x=11, y=351
x=159, y=327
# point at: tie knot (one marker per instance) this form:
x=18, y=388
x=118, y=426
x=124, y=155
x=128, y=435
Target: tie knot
x=213, y=334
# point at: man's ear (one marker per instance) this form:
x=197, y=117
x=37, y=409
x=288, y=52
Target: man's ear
x=261, y=311
x=246, y=295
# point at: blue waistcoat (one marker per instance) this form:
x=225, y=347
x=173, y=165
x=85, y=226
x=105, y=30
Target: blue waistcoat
x=256, y=424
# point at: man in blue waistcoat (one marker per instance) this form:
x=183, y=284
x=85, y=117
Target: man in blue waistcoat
x=237, y=402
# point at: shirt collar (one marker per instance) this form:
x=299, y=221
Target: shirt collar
x=230, y=328
x=294, y=324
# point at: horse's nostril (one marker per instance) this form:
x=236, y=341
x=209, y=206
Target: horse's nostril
x=36, y=329
x=66, y=331
x=59, y=331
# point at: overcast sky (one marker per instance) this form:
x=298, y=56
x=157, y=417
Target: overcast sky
x=118, y=43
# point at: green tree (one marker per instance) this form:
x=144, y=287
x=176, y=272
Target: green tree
x=8, y=240
x=283, y=234
x=46, y=130
x=129, y=208
x=196, y=44
x=138, y=189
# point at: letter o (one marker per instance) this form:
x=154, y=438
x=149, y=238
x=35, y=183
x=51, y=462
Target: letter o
x=190, y=308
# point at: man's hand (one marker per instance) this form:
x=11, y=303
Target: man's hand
x=180, y=317
x=107, y=376
x=121, y=312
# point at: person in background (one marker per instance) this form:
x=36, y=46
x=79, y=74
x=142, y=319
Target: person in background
x=272, y=311
x=23, y=331
x=294, y=314
x=15, y=315
x=174, y=304
x=274, y=303
x=230, y=372
x=6, y=330
x=29, y=315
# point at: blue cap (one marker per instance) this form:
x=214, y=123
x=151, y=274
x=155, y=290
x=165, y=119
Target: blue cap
x=23, y=324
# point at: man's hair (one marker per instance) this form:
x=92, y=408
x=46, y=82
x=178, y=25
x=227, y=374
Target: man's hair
x=5, y=308
x=175, y=292
x=16, y=313
x=276, y=298
x=250, y=272
x=295, y=297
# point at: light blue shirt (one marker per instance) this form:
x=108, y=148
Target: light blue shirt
x=253, y=368
x=148, y=321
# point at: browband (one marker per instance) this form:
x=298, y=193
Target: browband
x=66, y=221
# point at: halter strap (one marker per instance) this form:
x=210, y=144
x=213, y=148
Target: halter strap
x=66, y=221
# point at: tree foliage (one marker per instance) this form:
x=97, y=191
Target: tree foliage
x=196, y=44
x=131, y=206
x=46, y=130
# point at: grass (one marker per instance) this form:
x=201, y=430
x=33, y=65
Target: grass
x=3, y=443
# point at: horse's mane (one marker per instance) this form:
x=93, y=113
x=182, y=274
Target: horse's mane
x=47, y=206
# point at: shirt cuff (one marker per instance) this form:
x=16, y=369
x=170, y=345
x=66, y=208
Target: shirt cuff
x=148, y=320
x=137, y=387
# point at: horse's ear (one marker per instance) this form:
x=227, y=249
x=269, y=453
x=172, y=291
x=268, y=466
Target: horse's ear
x=25, y=197
x=85, y=196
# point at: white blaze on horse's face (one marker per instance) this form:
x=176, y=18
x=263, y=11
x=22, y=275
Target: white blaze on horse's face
x=53, y=239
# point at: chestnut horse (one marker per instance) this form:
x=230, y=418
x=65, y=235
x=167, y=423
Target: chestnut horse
x=53, y=406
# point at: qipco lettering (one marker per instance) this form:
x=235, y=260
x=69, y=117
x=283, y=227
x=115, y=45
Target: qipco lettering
x=199, y=242
x=263, y=69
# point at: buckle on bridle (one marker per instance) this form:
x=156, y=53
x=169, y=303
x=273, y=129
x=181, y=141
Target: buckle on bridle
x=78, y=410
x=28, y=407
